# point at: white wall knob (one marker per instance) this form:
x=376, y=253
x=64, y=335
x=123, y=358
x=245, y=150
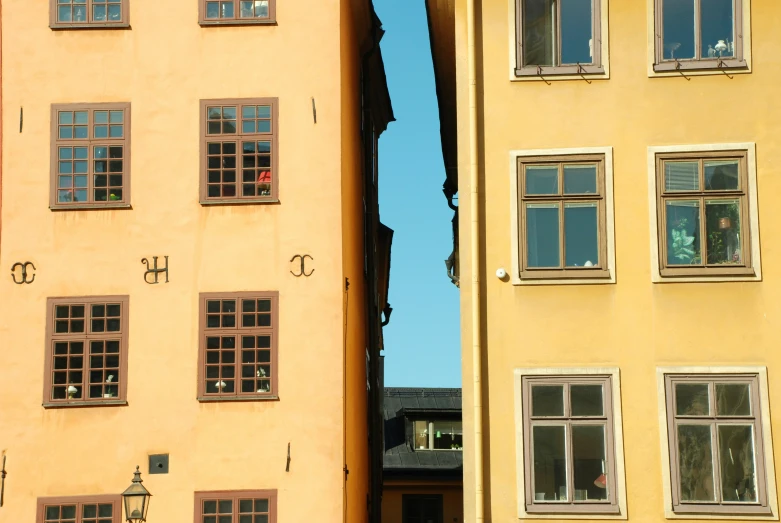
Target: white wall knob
x=501, y=273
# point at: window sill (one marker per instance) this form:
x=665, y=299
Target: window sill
x=698, y=68
x=212, y=23
x=588, y=72
x=581, y=511
x=702, y=512
x=248, y=201
x=60, y=27
x=90, y=207
x=211, y=399
x=597, y=277
x=72, y=404
x=707, y=275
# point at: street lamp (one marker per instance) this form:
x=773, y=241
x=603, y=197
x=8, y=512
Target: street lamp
x=136, y=499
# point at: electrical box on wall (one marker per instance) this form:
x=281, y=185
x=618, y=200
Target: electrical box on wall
x=158, y=464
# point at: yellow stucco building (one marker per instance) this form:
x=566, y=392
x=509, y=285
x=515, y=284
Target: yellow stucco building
x=220, y=325
x=615, y=164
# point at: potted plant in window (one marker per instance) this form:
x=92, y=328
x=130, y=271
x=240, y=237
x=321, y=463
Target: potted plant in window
x=682, y=247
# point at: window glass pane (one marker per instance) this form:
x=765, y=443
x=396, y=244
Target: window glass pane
x=588, y=459
x=717, y=28
x=722, y=227
x=733, y=399
x=721, y=175
x=576, y=38
x=586, y=400
x=678, y=29
x=447, y=435
x=64, y=13
x=547, y=400
x=736, y=452
x=114, y=13
x=692, y=399
x=695, y=462
x=550, y=464
x=580, y=179
x=542, y=179
x=683, y=232
x=542, y=235
x=681, y=176
x=226, y=9
x=421, y=434
x=581, y=239
x=539, y=32
x=212, y=9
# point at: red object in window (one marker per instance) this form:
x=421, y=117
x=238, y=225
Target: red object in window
x=601, y=481
x=264, y=177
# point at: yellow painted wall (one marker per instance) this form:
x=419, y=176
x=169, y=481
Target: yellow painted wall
x=163, y=66
x=634, y=324
x=393, y=491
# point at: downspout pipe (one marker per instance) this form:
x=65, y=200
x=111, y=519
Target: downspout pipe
x=474, y=211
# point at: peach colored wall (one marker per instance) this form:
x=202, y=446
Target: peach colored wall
x=163, y=66
x=393, y=491
x=634, y=324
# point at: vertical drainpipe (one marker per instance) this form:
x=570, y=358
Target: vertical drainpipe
x=474, y=211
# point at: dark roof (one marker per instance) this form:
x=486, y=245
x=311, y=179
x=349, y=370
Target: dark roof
x=400, y=459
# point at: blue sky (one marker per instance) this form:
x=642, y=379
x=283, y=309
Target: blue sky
x=422, y=341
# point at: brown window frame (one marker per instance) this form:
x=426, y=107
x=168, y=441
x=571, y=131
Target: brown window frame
x=271, y=19
x=597, y=271
x=235, y=496
x=79, y=501
x=761, y=506
x=698, y=64
x=123, y=23
x=87, y=336
x=238, y=137
x=238, y=331
x=90, y=143
x=742, y=193
x=611, y=505
x=595, y=67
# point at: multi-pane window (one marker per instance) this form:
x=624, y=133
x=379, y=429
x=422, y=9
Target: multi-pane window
x=558, y=37
x=89, y=13
x=90, y=156
x=237, y=11
x=239, y=151
x=417, y=508
x=698, y=34
x=562, y=217
x=238, y=346
x=86, y=509
x=714, y=431
x=438, y=435
x=236, y=506
x=86, y=350
x=703, y=214
x=568, y=444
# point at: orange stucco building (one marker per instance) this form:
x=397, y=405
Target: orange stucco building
x=231, y=146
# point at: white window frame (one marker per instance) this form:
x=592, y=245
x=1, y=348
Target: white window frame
x=430, y=434
x=767, y=441
x=753, y=217
x=618, y=437
x=515, y=276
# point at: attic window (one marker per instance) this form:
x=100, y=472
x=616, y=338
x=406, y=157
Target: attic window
x=438, y=435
